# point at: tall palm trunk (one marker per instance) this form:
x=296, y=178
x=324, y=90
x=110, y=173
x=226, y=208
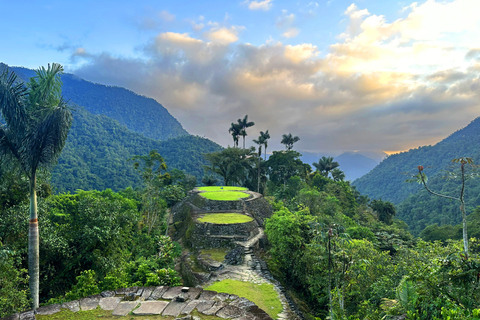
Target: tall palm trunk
x=33, y=245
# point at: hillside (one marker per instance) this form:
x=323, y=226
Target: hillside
x=138, y=113
x=415, y=206
x=387, y=180
x=98, y=148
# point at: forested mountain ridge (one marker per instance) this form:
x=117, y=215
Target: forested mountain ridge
x=98, y=148
x=415, y=205
x=138, y=113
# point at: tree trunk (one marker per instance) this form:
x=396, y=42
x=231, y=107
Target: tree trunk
x=464, y=214
x=33, y=246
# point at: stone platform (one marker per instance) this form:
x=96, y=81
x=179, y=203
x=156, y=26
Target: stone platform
x=177, y=302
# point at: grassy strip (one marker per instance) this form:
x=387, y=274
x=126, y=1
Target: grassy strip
x=263, y=295
x=221, y=188
x=225, y=218
x=224, y=196
x=215, y=254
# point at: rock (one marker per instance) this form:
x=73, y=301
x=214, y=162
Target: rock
x=126, y=291
x=204, y=305
x=27, y=315
x=229, y=312
x=181, y=297
x=148, y=308
x=172, y=293
x=193, y=293
x=215, y=308
x=15, y=316
x=147, y=292
x=235, y=256
x=73, y=306
x=124, y=308
x=109, y=303
x=242, y=303
x=48, y=310
x=106, y=294
x=185, y=289
x=191, y=305
x=89, y=303
x=130, y=296
x=174, y=308
x=189, y=317
x=222, y=296
x=158, y=293
x=208, y=295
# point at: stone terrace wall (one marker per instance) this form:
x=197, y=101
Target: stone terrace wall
x=211, y=235
x=216, y=205
x=259, y=208
x=168, y=301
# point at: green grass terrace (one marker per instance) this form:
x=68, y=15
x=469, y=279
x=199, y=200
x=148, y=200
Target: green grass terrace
x=225, y=196
x=225, y=218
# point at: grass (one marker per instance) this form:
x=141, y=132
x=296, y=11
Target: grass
x=221, y=188
x=225, y=218
x=263, y=295
x=107, y=315
x=224, y=196
x=215, y=254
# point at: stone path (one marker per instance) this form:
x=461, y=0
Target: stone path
x=177, y=302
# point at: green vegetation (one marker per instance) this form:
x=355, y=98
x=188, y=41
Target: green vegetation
x=225, y=218
x=224, y=196
x=215, y=254
x=263, y=295
x=149, y=119
x=221, y=188
x=97, y=151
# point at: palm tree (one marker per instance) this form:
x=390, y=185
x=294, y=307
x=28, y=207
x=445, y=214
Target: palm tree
x=244, y=124
x=338, y=175
x=235, y=130
x=325, y=165
x=264, y=136
x=37, y=121
x=288, y=140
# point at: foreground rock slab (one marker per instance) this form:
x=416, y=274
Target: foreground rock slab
x=148, y=308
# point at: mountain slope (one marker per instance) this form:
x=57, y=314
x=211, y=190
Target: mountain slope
x=98, y=148
x=387, y=180
x=138, y=113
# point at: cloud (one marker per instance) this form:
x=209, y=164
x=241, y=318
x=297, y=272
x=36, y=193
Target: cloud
x=166, y=16
x=286, y=22
x=223, y=35
x=260, y=5
x=383, y=85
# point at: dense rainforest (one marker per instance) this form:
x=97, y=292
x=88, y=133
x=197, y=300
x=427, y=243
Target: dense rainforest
x=98, y=149
x=138, y=113
x=388, y=181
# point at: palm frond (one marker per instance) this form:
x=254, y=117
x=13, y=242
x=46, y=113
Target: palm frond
x=45, y=141
x=12, y=97
x=46, y=86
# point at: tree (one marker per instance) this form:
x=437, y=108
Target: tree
x=264, y=136
x=232, y=164
x=325, y=165
x=151, y=168
x=243, y=124
x=235, y=130
x=338, y=175
x=37, y=121
x=385, y=210
x=422, y=178
x=288, y=140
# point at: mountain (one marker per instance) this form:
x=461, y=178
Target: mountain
x=98, y=148
x=414, y=205
x=110, y=126
x=138, y=113
x=353, y=164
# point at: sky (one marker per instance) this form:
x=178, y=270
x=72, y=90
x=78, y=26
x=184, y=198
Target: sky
x=365, y=75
